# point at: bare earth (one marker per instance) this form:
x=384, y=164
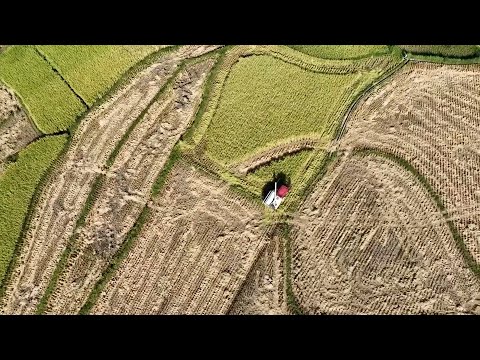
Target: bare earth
x=370, y=240
x=16, y=129
x=193, y=254
x=127, y=188
x=64, y=196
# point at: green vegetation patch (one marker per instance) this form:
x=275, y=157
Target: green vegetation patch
x=290, y=165
x=92, y=69
x=17, y=186
x=342, y=51
x=266, y=100
x=50, y=102
x=456, y=51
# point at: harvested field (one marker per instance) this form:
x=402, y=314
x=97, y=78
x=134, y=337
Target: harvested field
x=429, y=115
x=371, y=240
x=64, y=197
x=193, y=253
x=16, y=129
x=126, y=189
x=263, y=291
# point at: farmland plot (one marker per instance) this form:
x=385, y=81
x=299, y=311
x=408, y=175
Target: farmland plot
x=126, y=189
x=92, y=69
x=267, y=103
x=263, y=291
x=17, y=187
x=48, y=99
x=371, y=240
x=16, y=129
x=193, y=253
x=64, y=196
x=429, y=115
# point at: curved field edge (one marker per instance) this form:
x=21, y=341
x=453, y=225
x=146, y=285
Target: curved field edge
x=122, y=82
x=443, y=54
x=175, y=154
x=231, y=56
x=467, y=256
x=194, y=141
x=27, y=185
x=343, y=52
x=293, y=303
x=72, y=123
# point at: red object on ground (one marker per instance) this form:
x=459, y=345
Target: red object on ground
x=282, y=191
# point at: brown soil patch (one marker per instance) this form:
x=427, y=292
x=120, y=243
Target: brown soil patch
x=192, y=255
x=64, y=196
x=371, y=240
x=16, y=129
x=127, y=188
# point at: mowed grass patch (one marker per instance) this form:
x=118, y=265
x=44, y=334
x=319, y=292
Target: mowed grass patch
x=17, y=186
x=266, y=100
x=342, y=51
x=92, y=69
x=48, y=99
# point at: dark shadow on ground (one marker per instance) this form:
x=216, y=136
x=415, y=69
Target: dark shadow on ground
x=280, y=178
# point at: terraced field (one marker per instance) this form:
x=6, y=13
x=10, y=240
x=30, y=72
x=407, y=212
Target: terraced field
x=429, y=115
x=371, y=240
x=64, y=197
x=394, y=231
x=147, y=200
x=193, y=253
x=16, y=129
x=126, y=188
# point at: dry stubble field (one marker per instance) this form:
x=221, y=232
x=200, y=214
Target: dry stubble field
x=64, y=196
x=371, y=238
x=193, y=253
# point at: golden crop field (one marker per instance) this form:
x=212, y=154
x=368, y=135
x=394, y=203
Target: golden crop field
x=46, y=97
x=132, y=179
x=92, y=69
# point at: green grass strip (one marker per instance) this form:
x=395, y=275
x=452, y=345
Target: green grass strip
x=467, y=256
x=206, y=94
x=20, y=186
x=292, y=302
x=121, y=253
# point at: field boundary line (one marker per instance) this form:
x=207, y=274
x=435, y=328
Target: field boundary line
x=56, y=71
x=470, y=261
x=370, y=55
x=27, y=220
x=24, y=108
x=43, y=304
x=341, y=128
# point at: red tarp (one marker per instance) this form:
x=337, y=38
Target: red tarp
x=282, y=191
